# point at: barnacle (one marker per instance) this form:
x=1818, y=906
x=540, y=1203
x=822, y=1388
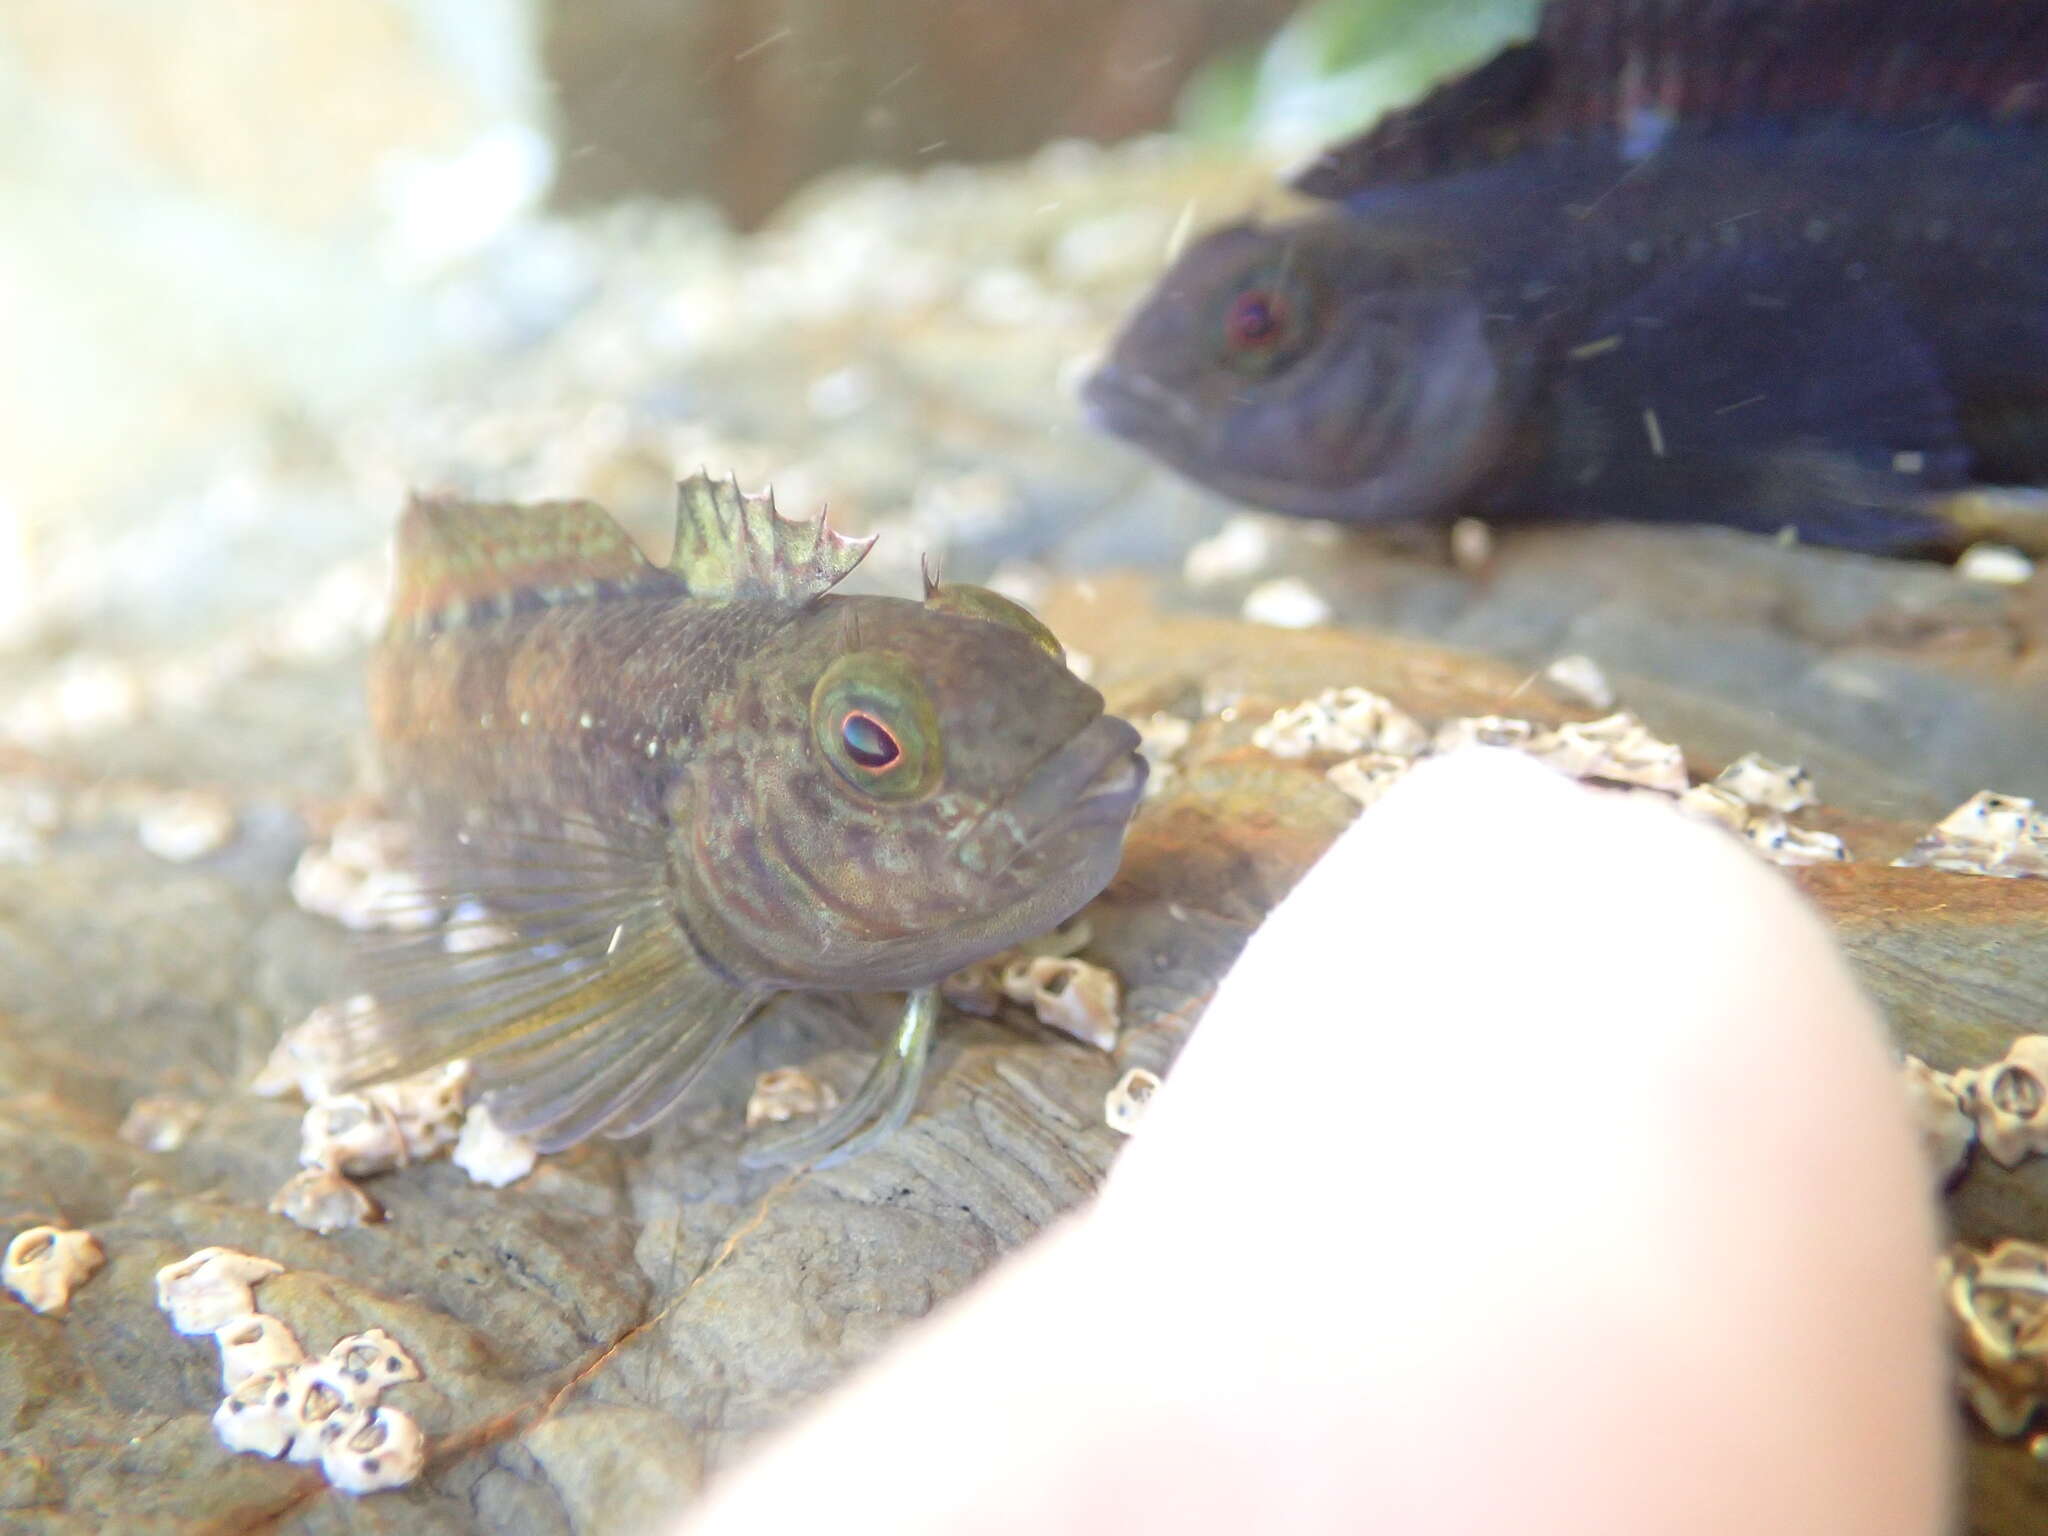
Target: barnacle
x=1072, y=996
x=1369, y=776
x=1998, y=1310
x=44, y=1265
x=179, y=828
x=254, y=1344
x=783, y=1093
x=489, y=1154
x=2009, y=1101
x=1580, y=679
x=1988, y=834
x=209, y=1289
x=279, y=1403
x=1125, y=1104
x=323, y=1200
x=371, y=1450
x=1757, y=781
x=1343, y=722
x=1946, y=1129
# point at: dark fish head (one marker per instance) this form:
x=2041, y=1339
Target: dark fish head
x=1309, y=368
x=907, y=788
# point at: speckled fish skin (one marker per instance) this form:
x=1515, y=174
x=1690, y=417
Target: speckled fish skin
x=634, y=767
x=1766, y=263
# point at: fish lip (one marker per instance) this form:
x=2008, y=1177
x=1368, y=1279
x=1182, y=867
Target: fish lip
x=1092, y=781
x=1131, y=405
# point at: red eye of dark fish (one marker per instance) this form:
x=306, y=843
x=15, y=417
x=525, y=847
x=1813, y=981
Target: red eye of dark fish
x=1257, y=319
x=868, y=742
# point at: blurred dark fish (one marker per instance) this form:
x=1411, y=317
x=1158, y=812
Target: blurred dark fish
x=659, y=795
x=1766, y=263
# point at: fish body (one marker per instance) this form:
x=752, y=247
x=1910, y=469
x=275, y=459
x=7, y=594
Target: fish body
x=668, y=793
x=1769, y=265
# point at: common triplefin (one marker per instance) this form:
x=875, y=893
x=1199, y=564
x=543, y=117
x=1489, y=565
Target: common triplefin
x=655, y=796
x=1765, y=263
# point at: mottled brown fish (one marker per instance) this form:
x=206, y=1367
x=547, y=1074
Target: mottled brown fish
x=1766, y=263
x=659, y=795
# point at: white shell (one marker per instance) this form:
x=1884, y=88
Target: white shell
x=1988, y=834
x=371, y=1361
x=1341, y=721
x=1946, y=1129
x=373, y=1450
x=1286, y=602
x=179, y=828
x=1757, y=781
x=256, y=1416
x=1368, y=777
x=490, y=1154
x=1125, y=1104
x=1072, y=996
x=322, y=1401
x=255, y=1344
x=322, y=1200
x=783, y=1093
x=206, y=1290
x=1580, y=679
x=44, y=1265
x=2009, y=1101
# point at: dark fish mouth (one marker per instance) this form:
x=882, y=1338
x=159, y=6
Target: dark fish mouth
x=1136, y=406
x=1095, y=779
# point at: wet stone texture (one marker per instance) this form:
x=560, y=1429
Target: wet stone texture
x=600, y=1337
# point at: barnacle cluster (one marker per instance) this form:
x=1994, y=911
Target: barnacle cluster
x=784, y=1093
x=1988, y=834
x=346, y=1136
x=281, y=1403
x=1072, y=995
x=1376, y=742
x=360, y=878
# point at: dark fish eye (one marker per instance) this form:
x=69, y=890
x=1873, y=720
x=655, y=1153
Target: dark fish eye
x=868, y=742
x=1257, y=318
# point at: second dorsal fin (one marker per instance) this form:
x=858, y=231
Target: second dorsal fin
x=730, y=545
x=453, y=556
x=1637, y=71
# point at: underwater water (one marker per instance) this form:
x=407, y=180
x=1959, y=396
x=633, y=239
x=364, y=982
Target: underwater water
x=262, y=283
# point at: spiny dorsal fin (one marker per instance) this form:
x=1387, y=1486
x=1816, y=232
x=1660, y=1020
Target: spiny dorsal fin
x=731, y=545
x=453, y=555
x=1636, y=71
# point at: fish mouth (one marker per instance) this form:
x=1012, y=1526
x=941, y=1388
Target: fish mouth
x=1088, y=786
x=1137, y=406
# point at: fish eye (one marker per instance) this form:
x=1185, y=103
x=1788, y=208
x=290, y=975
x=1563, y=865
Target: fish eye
x=1268, y=321
x=1257, y=319
x=875, y=727
x=868, y=743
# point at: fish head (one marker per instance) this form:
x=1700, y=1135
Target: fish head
x=897, y=789
x=1316, y=368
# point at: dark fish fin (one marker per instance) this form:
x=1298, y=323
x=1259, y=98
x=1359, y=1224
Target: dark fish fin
x=1634, y=73
x=730, y=545
x=580, y=1003
x=1763, y=393
x=453, y=556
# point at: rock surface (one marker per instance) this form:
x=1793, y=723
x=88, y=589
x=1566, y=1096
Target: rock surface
x=601, y=1336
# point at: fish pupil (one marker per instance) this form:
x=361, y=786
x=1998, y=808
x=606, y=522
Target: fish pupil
x=868, y=742
x=1256, y=320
